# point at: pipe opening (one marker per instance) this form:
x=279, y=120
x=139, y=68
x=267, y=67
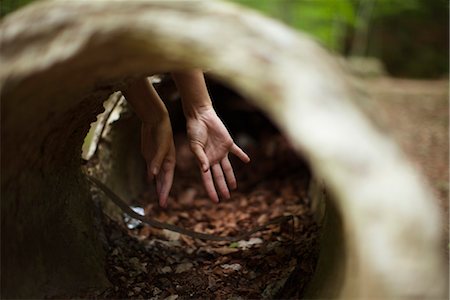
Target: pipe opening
x=276, y=262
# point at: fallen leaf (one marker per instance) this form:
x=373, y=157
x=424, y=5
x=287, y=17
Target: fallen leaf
x=183, y=267
x=166, y=270
x=119, y=269
x=134, y=262
x=234, y=245
x=171, y=235
x=248, y=244
x=262, y=219
x=187, y=196
x=234, y=267
x=224, y=250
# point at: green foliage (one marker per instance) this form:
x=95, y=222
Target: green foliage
x=387, y=29
x=8, y=6
x=330, y=20
x=327, y=20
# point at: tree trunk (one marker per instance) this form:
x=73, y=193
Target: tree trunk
x=62, y=59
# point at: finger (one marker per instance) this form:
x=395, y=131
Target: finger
x=229, y=174
x=201, y=156
x=209, y=186
x=220, y=181
x=157, y=160
x=167, y=181
x=239, y=153
x=149, y=174
x=158, y=186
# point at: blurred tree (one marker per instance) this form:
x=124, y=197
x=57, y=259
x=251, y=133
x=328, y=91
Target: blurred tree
x=411, y=37
x=326, y=20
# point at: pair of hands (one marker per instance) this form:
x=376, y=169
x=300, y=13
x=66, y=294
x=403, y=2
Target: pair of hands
x=210, y=142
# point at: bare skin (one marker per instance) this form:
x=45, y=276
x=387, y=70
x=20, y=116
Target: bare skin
x=157, y=145
x=208, y=138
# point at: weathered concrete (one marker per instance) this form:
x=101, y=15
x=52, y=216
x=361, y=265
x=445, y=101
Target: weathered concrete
x=61, y=59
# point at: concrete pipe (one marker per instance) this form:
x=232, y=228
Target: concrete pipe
x=61, y=59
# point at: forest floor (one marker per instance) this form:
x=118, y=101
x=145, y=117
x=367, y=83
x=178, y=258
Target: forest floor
x=279, y=261
x=417, y=113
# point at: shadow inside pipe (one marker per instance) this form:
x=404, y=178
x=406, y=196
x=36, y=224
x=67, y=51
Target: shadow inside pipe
x=276, y=262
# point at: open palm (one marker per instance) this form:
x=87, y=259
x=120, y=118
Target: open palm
x=210, y=142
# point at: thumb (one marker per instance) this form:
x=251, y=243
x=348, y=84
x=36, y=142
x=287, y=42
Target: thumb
x=201, y=156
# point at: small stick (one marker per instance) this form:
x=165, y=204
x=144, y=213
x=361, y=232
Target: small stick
x=194, y=234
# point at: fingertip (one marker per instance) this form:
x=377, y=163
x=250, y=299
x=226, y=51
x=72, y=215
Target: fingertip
x=155, y=171
x=245, y=158
x=214, y=197
x=225, y=194
x=162, y=199
x=149, y=177
x=233, y=186
x=240, y=153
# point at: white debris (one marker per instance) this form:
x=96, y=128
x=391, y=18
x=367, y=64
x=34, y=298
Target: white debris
x=133, y=223
x=248, y=244
x=234, y=267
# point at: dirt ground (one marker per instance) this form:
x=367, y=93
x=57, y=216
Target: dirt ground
x=276, y=262
x=279, y=261
x=417, y=112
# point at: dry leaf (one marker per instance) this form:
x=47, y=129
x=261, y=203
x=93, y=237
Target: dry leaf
x=183, y=267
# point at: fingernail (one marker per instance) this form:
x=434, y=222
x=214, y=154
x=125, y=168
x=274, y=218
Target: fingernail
x=155, y=171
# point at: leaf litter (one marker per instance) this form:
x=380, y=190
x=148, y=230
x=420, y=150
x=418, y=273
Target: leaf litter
x=148, y=263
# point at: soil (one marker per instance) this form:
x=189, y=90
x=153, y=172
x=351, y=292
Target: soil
x=276, y=262
x=417, y=114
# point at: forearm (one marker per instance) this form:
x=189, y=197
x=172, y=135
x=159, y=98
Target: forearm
x=193, y=91
x=145, y=101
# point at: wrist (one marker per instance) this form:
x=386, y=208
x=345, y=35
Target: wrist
x=195, y=110
x=154, y=117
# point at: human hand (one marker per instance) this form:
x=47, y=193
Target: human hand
x=158, y=149
x=157, y=145
x=210, y=141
